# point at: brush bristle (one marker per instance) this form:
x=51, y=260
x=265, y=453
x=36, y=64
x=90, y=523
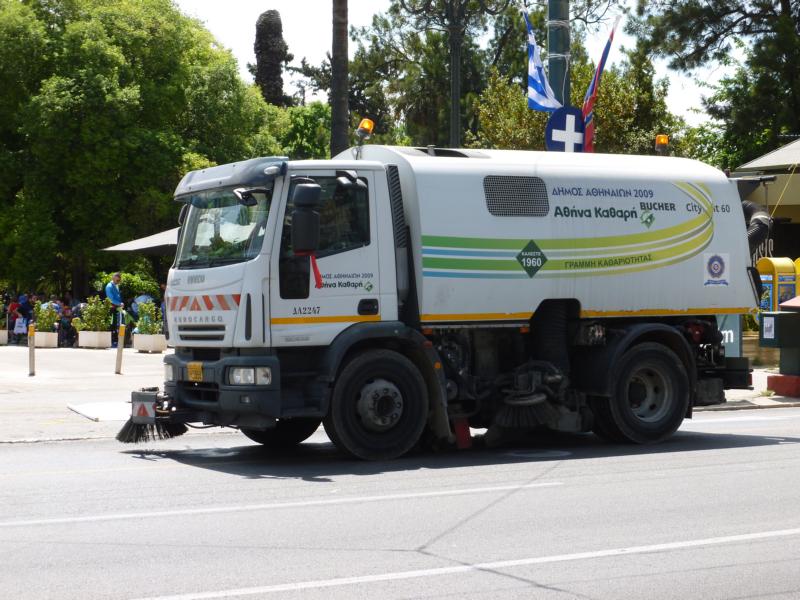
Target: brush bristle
x=133, y=433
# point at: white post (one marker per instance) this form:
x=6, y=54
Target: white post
x=120, y=346
x=31, y=350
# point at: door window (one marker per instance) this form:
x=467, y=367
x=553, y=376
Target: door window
x=344, y=226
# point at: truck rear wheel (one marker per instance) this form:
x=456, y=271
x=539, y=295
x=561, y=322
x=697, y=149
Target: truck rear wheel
x=285, y=434
x=379, y=406
x=651, y=397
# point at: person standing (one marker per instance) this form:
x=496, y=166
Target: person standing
x=115, y=297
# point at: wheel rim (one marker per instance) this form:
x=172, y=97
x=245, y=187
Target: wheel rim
x=380, y=405
x=649, y=394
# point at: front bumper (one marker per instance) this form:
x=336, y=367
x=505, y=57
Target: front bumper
x=214, y=401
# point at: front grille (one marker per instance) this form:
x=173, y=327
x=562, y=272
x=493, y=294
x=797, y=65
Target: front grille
x=205, y=354
x=201, y=333
x=199, y=392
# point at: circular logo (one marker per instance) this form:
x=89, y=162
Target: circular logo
x=716, y=266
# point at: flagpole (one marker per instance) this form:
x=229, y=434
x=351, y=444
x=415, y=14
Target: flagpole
x=558, y=48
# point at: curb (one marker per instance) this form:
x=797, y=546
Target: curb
x=87, y=438
x=738, y=406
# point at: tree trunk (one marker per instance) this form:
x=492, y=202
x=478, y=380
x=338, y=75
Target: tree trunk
x=80, y=278
x=455, y=86
x=340, y=117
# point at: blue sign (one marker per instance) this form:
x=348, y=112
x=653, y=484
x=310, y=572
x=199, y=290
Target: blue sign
x=564, y=131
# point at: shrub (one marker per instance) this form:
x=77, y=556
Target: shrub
x=130, y=285
x=149, y=319
x=3, y=316
x=45, y=317
x=96, y=316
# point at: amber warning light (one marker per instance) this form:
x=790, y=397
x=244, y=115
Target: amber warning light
x=365, y=128
x=662, y=143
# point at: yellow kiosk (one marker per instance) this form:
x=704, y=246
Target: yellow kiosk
x=779, y=280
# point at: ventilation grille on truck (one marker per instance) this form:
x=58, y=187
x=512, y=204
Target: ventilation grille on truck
x=396, y=200
x=516, y=196
x=201, y=333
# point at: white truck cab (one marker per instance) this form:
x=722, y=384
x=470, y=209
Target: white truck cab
x=414, y=291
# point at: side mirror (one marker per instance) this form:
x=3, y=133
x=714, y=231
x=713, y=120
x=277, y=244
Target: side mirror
x=305, y=218
x=246, y=196
x=182, y=214
x=349, y=180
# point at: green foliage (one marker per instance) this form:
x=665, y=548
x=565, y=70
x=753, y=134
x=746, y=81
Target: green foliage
x=3, y=316
x=130, y=285
x=149, y=322
x=45, y=317
x=103, y=107
x=630, y=110
x=308, y=132
x=760, y=100
x=96, y=315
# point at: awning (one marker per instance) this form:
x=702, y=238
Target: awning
x=780, y=159
x=158, y=243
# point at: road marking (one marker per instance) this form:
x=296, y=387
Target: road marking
x=711, y=421
x=486, y=566
x=539, y=453
x=277, y=505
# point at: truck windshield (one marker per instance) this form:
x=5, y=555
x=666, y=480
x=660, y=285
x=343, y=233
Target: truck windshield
x=221, y=229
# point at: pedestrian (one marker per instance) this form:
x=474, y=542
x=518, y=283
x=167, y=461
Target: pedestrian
x=23, y=312
x=115, y=297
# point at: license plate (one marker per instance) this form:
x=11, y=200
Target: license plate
x=195, y=371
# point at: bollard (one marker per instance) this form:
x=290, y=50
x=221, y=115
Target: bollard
x=31, y=350
x=120, y=346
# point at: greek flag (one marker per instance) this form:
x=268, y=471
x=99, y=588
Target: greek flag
x=540, y=94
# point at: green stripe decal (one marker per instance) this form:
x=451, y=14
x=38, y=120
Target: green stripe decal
x=606, y=255
x=468, y=264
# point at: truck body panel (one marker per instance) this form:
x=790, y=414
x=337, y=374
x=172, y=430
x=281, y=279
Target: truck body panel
x=625, y=236
x=453, y=288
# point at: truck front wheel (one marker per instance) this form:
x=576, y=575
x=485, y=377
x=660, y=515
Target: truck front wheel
x=651, y=396
x=379, y=406
x=286, y=433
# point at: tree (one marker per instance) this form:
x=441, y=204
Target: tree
x=104, y=106
x=272, y=54
x=455, y=18
x=340, y=115
x=761, y=100
x=630, y=110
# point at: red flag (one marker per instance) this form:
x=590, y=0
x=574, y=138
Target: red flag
x=591, y=95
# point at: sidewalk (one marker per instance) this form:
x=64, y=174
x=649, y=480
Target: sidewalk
x=756, y=398
x=36, y=408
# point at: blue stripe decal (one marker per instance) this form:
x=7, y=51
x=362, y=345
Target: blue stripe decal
x=489, y=253
x=487, y=275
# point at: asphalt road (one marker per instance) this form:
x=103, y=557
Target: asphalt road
x=713, y=513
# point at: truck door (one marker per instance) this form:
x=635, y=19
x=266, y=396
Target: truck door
x=303, y=314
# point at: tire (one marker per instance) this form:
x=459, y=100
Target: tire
x=603, y=425
x=287, y=433
x=651, y=396
x=379, y=406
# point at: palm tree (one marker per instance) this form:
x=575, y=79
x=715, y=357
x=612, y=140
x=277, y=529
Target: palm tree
x=340, y=117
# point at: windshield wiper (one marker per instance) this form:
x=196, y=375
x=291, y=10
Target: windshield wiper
x=225, y=260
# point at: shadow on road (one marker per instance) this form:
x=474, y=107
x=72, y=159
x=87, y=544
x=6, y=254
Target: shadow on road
x=318, y=462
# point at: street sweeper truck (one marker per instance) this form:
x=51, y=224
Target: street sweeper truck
x=402, y=295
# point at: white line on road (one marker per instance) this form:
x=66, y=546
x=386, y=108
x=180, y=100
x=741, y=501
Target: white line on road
x=487, y=566
x=277, y=505
x=707, y=421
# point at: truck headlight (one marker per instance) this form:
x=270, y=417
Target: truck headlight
x=169, y=373
x=263, y=376
x=249, y=376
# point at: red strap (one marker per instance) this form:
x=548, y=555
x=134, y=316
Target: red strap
x=314, y=267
